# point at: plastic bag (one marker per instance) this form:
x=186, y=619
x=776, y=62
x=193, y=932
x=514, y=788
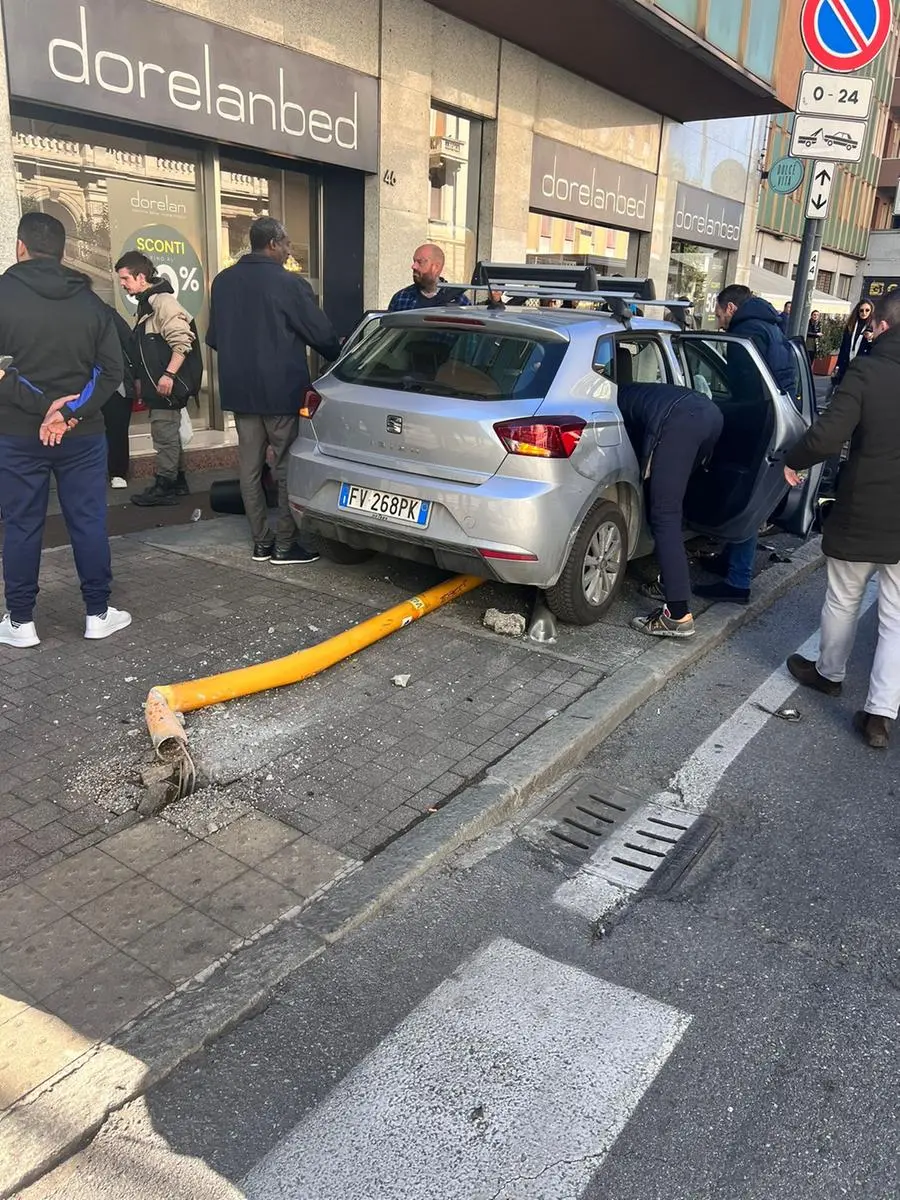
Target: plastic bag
x=185, y=429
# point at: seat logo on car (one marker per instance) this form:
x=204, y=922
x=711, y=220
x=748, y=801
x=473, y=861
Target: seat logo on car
x=395, y=424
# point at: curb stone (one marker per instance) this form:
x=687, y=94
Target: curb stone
x=43, y=1129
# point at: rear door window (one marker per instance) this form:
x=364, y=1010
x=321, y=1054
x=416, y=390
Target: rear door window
x=640, y=360
x=465, y=364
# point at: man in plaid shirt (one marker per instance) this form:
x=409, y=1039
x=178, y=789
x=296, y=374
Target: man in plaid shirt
x=427, y=289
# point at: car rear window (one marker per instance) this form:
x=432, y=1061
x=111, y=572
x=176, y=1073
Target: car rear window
x=466, y=364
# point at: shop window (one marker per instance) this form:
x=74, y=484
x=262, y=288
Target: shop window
x=114, y=194
x=776, y=265
x=845, y=283
x=454, y=175
x=248, y=191
x=698, y=272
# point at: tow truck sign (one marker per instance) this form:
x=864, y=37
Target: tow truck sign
x=833, y=139
x=844, y=35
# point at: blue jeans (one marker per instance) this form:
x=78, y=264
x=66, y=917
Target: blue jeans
x=741, y=561
x=79, y=467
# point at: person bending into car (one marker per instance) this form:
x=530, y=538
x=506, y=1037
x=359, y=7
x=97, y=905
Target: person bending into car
x=673, y=431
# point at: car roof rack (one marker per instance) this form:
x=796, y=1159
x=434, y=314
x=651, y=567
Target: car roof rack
x=572, y=285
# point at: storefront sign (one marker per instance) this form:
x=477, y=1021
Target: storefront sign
x=876, y=286
x=569, y=182
x=707, y=219
x=137, y=61
x=164, y=223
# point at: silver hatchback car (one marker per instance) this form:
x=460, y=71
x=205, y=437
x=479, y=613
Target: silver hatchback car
x=488, y=441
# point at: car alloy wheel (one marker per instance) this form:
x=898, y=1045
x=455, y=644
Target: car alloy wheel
x=602, y=564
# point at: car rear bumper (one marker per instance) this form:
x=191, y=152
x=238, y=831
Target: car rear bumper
x=505, y=515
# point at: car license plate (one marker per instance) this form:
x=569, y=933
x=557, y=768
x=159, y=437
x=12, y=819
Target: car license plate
x=386, y=505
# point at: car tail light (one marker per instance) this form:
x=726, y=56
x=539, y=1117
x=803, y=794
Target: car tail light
x=311, y=402
x=554, y=437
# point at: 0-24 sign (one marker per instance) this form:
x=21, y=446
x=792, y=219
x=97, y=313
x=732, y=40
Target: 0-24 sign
x=826, y=95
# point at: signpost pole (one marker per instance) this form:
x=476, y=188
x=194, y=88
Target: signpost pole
x=801, y=301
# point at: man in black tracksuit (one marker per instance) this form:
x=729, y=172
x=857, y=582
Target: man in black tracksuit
x=673, y=431
x=261, y=320
x=66, y=364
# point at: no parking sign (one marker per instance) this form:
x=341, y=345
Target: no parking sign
x=844, y=35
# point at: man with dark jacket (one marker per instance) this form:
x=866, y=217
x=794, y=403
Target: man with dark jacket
x=66, y=364
x=749, y=316
x=262, y=318
x=862, y=534
x=673, y=431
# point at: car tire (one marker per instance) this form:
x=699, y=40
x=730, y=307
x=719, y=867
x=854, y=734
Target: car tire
x=335, y=551
x=595, y=568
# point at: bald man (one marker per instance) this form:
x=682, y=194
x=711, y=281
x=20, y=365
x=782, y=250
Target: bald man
x=428, y=288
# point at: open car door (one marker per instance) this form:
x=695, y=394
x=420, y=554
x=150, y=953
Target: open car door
x=797, y=513
x=744, y=483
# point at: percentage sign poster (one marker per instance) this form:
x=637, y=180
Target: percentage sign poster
x=163, y=223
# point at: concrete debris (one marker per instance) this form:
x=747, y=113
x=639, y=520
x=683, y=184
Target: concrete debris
x=401, y=681
x=507, y=624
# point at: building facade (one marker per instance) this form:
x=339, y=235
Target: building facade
x=369, y=126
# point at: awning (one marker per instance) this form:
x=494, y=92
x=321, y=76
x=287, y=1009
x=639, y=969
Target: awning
x=778, y=289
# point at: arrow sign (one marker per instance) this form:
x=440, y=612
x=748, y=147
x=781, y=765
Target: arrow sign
x=820, y=191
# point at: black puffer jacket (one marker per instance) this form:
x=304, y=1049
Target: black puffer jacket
x=865, y=410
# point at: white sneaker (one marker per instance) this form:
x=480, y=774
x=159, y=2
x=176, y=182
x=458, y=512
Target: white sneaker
x=21, y=636
x=118, y=482
x=111, y=622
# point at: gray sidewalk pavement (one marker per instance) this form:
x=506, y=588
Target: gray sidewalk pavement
x=103, y=915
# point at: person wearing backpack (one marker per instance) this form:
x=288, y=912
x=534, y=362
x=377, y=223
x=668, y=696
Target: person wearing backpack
x=168, y=368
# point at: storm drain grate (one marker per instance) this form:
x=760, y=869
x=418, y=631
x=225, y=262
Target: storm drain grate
x=578, y=819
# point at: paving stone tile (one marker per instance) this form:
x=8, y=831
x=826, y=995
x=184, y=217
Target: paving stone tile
x=108, y=997
x=125, y=914
x=252, y=838
x=10, y=830
x=23, y=911
x=49, y=838
x=14, y=856
x=304, y=866
x=249, y=903
x=184, y=945
x=148, y=843
x=196, y=872
x=33, y=1048
x=80, y=878
x=53, y=956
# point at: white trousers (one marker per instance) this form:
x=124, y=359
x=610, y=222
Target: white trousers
x=840, y=614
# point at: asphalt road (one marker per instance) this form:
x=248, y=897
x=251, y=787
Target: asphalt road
x=733, y=1038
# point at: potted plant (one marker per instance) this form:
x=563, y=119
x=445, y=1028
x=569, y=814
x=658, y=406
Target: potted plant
x=829, y=344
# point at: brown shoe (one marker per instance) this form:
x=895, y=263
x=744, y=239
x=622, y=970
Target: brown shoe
x=805, y=672
x=875, y=731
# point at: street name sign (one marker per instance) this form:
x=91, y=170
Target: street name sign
x=831, y=138
x=844, y=35
x=835, y=95
x=820, y=190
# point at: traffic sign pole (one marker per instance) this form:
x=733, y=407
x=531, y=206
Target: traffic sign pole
x=801, y=301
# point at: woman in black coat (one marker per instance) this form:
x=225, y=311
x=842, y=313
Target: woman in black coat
x=813, y=335
x=857, y=338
